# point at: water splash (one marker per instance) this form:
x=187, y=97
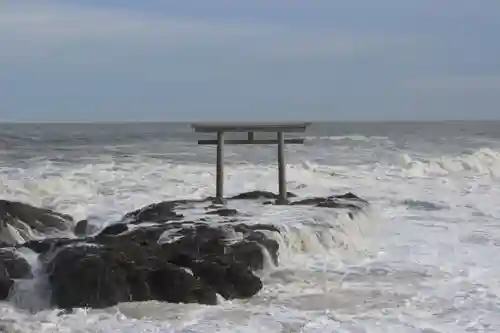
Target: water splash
x=32, y=294
x=481, y=162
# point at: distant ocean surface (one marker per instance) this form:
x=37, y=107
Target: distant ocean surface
x=423, y=258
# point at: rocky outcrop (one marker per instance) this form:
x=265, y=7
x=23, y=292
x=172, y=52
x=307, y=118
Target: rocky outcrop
x=96, y=276
x=173, y=262
x=223, y=212
x=81, y=228
x=344, y=201
x=19, y=222
x=254, y=195
x=157, y=212
x=12, y=266
x=48, y=245
x=152, y=253
x=84, y=228
x=6, y=284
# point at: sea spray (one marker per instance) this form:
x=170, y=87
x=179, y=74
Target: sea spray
x=327, y=234
x=480, y=162
x=31, y=294
x=311, y=292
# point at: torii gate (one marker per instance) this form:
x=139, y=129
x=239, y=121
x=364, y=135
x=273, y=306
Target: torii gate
x=251, y=128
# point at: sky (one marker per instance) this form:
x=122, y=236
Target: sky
x=259, y=60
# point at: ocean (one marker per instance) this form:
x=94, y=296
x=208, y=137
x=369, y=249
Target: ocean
x=421, y=258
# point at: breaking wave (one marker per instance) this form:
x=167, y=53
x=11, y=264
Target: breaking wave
x=347, y=138
x=423, y=205
x=481, y=162
x=316, y=287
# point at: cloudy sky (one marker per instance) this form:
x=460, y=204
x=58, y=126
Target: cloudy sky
x=129, y=60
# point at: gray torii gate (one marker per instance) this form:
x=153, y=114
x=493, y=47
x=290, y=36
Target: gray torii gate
x=251, y=128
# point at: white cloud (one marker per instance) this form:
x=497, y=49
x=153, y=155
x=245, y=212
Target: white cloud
x=29, y=28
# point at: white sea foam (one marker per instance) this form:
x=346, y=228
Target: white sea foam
x=170, y=236
x=482, y=162
x=31, y=294
x=348, y=138
x=395, y=268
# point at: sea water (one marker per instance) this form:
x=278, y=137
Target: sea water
x=421, y=258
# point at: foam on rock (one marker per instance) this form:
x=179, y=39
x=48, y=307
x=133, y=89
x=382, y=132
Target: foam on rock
x=154, y=253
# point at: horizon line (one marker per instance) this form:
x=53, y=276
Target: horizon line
x=114, y=122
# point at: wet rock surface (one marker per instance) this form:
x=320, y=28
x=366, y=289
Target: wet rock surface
x=177, y=262
x=344, y=201
x=254, y=195
x=12, y=266
x=157, y=212
x=6, y=285
x=26, y=220
x=101, y=276
x=153, y=253
x=223, y=212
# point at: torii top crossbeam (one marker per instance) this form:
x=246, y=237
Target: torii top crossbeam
x=251, y=128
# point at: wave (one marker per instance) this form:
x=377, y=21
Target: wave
x=481, y=162
x=104, y=190
x=423, y=205
x=340, y=238
x=32, y=294
x=347, y=138
x=304, y=234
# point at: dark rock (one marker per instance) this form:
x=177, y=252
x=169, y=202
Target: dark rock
x=37, y=218
x=268, y=227
x=197, y=242
x=157, y=212
x=224, y=212
x=225, y=265
x=192, y=245
x=253, y=244
x=98, y=277
x=12, y=266
x=344, y=201
x=247, y=228
x=254, y=195
x=6, y=285
x=145, y=237
x=81, y=228
x=47, y=244
x=309, y=201
x=335, y=204
x=83, y=277
x=350, y=196
x=270, y=245
x=84, y=228
x=114, y=229
x=173, y=262
x=230, y=279
x=248, y=253
x=22, y=216
x=203, y=240
x=15, y=266
x=176, y=285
